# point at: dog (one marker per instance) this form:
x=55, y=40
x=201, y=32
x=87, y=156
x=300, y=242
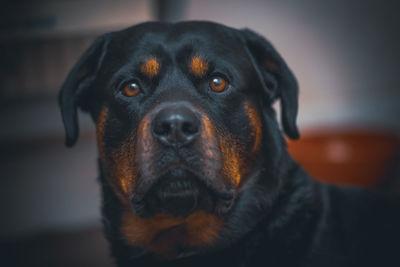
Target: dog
x=193, y=164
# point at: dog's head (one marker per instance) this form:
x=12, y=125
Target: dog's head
x=184, y=127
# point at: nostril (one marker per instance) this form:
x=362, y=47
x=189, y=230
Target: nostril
x=189, y=128
x=163, y=128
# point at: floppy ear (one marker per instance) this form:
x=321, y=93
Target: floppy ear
x=277, y=79
x=77, y=84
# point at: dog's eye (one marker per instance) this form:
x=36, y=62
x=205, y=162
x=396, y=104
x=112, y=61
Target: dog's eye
x=131, y=89
x=218, y=84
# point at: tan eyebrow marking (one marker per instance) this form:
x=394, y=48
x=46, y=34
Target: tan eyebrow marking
x=198, y=66
x=150, y=67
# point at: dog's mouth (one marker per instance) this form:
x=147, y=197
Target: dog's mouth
x=180, y=192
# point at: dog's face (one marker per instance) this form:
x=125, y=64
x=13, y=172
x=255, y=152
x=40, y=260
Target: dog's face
x=184, y=125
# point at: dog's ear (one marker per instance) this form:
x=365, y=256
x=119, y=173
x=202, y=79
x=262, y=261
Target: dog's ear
x=78, y=83
x=277, y=79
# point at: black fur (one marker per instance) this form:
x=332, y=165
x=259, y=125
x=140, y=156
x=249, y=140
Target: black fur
x=282, y=217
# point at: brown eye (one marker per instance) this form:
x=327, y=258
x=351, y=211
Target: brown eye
x=218, y=84
x=131, y=89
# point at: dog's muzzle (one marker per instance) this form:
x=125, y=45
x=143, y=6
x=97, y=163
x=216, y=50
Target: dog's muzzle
x=175, y=181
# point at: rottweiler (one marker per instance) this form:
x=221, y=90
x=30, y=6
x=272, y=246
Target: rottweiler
x=193, y=164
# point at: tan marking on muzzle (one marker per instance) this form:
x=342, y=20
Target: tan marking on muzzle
x=145, y=146
x=150, y=67
x=255, y=123
x=165, y=234
x=144, y=132
x=209, y=139
x=119, y=163
x=232, y=168
x=124, y=173
x=198, y=66
x=237, y=158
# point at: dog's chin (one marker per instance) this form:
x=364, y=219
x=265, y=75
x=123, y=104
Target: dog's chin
x=178, y=192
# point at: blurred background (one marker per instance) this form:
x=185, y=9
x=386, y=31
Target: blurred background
x=345, y=54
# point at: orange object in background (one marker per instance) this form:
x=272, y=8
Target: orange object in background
x=346, y=156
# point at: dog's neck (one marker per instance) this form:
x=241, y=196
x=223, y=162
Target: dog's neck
x=281, y=223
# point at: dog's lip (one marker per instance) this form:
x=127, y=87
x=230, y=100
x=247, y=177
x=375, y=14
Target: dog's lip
x=220, y=190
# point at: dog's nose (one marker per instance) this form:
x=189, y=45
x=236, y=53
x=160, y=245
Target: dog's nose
x=176, y=125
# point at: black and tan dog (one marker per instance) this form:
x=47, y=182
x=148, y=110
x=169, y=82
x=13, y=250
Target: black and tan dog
x=194, y=168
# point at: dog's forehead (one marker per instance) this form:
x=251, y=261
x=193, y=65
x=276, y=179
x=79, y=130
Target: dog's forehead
x=155, y=50
x=201, y=37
